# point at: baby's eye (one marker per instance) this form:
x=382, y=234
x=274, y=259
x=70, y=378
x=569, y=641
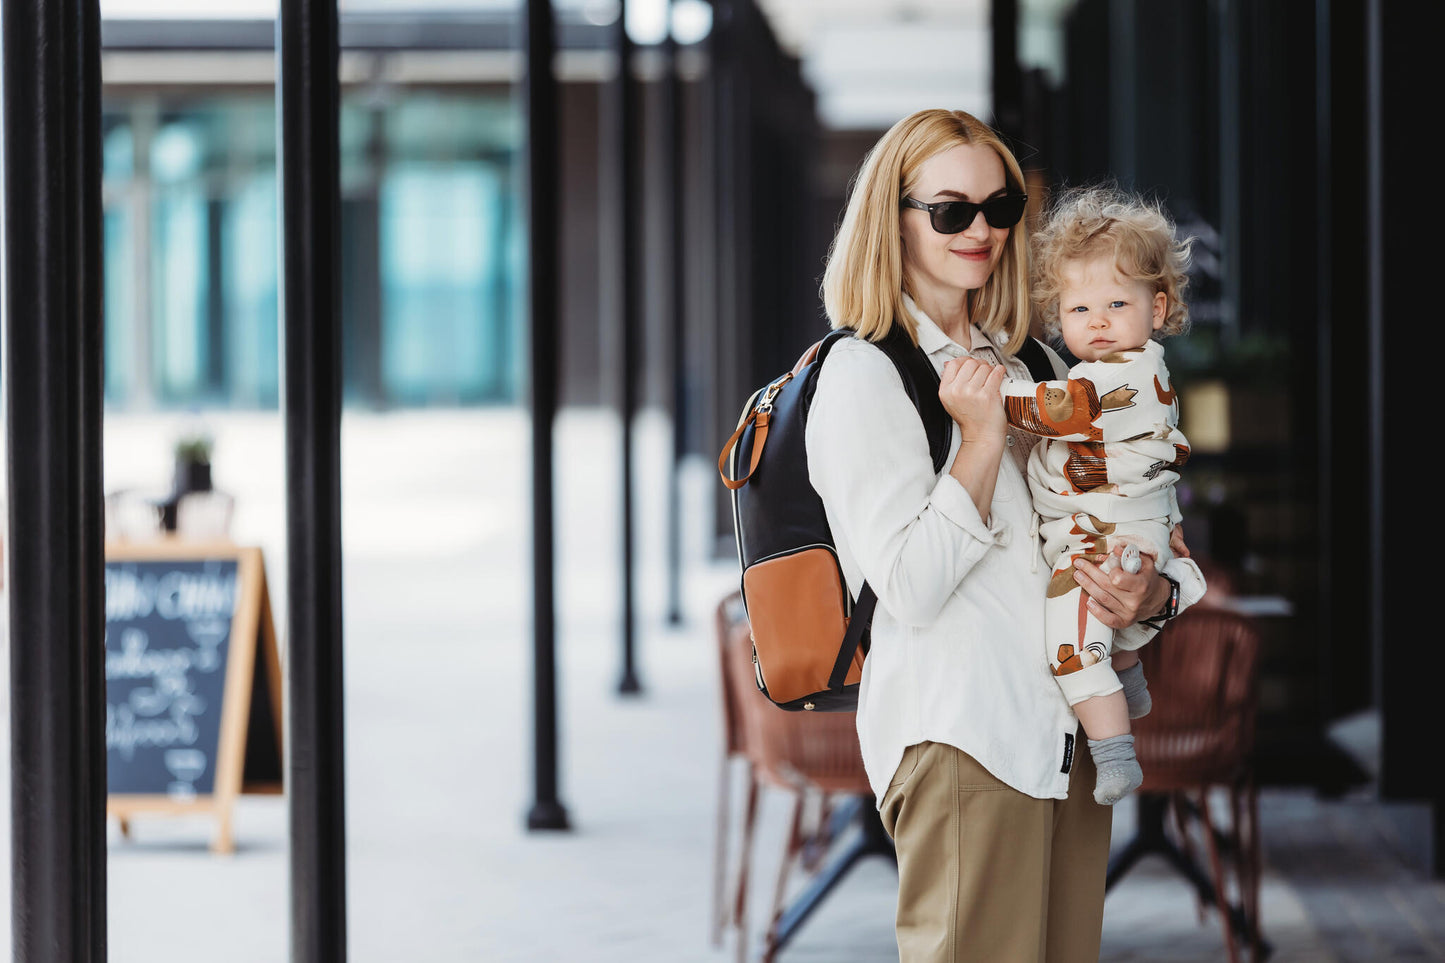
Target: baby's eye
x=1079, y=309
x=1117, y=304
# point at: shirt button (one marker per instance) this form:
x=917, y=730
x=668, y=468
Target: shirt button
x=1009, y=440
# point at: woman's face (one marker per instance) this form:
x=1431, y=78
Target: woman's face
x=942, y=267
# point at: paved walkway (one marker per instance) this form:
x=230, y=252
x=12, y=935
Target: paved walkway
x=438, y=723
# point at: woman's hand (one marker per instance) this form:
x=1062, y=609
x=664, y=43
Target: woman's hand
x=969, y=390
x=1118, y=598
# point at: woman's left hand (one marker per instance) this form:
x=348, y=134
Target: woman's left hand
x=1118, y=598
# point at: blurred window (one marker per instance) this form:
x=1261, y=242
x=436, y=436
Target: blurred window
x=432, y=274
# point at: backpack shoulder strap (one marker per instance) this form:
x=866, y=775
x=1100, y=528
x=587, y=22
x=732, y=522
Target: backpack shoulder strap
x=819, y=349
x=1036, y=358
x=921, y=383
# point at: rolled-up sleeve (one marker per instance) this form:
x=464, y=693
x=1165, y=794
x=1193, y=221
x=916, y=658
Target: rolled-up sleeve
x=914, y=535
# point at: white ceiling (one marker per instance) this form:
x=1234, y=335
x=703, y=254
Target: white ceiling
x=873, y=61
x=870, y=61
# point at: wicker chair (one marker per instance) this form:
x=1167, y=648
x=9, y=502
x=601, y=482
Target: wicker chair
x=729, y=616
x=1198, y=739
x=807, y=755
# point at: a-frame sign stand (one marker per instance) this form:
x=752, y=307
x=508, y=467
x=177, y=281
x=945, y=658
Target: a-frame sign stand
x=162, y=596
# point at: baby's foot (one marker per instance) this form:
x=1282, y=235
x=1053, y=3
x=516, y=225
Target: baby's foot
x=1136, y=690
x=1118, y=771
x=1130, y=561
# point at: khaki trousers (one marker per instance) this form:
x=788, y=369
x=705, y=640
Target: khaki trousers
x=988, y=873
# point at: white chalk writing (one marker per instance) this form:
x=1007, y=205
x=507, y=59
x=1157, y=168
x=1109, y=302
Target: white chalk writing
x=132, y=594
x=126, y=733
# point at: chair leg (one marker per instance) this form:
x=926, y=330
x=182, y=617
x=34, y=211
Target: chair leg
x=1238, y=840
x=740, y=896
x=790, y=852
x=1180, y=804
x=1250, y=855
x=720, y=854
x=1221, y=899
x=815, y=847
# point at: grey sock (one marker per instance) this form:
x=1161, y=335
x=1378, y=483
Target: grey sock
x=1136, y=690
x=1118, y=771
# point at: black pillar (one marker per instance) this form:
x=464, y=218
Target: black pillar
x=1008, y=88
x=630, y=204
x=53, y=381
x=1401, y=60
x=309, y=150
x=1340, y=158
x=540, y=97
x=732, y=139
x=675, y=179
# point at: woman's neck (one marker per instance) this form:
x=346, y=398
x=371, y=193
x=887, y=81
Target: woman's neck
x=948, y=310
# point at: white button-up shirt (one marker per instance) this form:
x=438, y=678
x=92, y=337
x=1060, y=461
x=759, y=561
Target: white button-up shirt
x=958, y=635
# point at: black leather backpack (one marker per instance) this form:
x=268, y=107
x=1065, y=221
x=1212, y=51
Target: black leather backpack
x=809, y=635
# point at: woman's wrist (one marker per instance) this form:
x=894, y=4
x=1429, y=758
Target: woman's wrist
x=975, y=467
x=1162, y=602
x=985, y=442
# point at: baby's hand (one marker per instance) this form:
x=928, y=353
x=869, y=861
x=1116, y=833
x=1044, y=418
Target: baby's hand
x=1176, y=542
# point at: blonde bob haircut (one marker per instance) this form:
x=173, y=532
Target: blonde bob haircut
x=1103, y=221
x=864, y=283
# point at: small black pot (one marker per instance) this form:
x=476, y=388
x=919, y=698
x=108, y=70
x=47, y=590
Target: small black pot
x=191, y=476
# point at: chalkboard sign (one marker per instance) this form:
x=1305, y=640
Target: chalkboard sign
x=192, y=677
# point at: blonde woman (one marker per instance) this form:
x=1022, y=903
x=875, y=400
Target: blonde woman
x=969, y=746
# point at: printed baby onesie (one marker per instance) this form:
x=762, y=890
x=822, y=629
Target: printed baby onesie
x=1105, y=474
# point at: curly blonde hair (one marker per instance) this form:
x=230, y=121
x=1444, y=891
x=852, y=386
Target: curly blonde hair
x=864, y=283
x=1084, y=222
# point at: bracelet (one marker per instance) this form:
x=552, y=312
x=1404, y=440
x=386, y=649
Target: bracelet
x=1171, y=607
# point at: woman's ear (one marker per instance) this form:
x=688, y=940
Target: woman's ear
x=1161, y=309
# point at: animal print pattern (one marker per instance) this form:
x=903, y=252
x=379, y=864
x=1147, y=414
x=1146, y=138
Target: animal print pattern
x=1112, y=452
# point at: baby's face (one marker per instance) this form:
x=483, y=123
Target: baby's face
x=1102, y=311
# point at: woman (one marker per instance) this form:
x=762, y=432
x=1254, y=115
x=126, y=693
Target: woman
x=969, y=747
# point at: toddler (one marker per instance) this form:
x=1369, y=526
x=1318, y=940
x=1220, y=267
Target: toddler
x=1109, y=279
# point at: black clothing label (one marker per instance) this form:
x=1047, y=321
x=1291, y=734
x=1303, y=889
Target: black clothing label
x=1068, y=753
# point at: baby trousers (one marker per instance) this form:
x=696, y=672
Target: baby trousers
x=1078, y=644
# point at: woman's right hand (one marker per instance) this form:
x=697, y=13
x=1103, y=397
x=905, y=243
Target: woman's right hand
x=970, y=392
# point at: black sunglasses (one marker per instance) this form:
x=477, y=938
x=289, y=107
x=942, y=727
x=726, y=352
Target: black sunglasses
x=953, y=217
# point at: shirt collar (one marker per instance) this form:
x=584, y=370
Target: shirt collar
x=932, y=339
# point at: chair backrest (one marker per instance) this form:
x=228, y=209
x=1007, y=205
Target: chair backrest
x=794, y=749
x=730, y=615
x=1201, y=672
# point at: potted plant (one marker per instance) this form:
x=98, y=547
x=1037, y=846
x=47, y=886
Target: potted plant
x=193, y=465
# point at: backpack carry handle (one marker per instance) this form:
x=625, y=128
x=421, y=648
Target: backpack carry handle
x=754, y=417
x=759, y=416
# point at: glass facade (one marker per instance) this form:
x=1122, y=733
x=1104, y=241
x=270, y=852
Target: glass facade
x=432, y=267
